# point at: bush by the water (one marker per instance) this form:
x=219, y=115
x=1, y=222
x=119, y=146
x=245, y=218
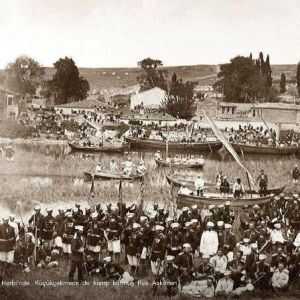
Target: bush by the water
x=12, y=129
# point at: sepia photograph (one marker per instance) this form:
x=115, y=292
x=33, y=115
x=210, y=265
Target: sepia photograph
x=149, y=149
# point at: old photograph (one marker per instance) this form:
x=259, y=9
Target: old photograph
x=149, y=149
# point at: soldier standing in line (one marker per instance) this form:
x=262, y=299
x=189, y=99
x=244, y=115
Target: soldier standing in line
x=48, y=230
x=7, y=246
x=77, y=255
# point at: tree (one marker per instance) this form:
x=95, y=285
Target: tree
x=152, y=75
x=180, y=102
x=24, y=75
x=298, y=78
x=282, y=83
x=67, y=85
x=245, y=79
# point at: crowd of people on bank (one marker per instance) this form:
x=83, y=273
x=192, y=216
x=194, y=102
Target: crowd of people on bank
x=248, y=134
x=208, y=251
x=258, y=136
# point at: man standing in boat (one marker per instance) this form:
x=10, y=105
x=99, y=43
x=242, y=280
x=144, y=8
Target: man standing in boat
x=295, y=174
x=238, y=188
x=262, y=181
x=199, y=185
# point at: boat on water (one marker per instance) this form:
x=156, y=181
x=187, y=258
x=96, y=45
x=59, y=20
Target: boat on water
x=180, y=181
x=184, y=199
x=181, y=164
x=173, y=146
x=104, y=148
x=265, y=149
x=106, y=175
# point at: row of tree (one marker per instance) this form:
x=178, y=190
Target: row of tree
x=25, y=75
x=243, y=79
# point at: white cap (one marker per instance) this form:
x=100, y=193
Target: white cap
x=49, y=209
x=79, y=227
x=185, y=208
x=227, y=203
x=210, y=224
x=94, y=215
x=68, y=214
x=211, y=206
x=262, y=256
x=175, y=225
x=221, y=206
x=186, y=245
x=107, y=259
x=228, y=226
x=159, y=228
x=220, y=223
x=169, y=219
x=227, y=273
x=245, y=240
x=194, y=206
x=205, y=256
x=194, y=221
x=277, y=225
x=143, y=218
x=37, y=207
x=187, y=224
x=136, y=225
x=6, y=218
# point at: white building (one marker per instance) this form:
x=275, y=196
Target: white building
x=148, y=99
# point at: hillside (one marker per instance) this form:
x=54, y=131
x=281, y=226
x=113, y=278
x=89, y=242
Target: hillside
x=107, y=78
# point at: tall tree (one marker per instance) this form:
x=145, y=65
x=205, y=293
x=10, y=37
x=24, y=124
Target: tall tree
x=268, y=72
x=153, y=75
x=298, y=78
x=245, y=79
x=23, y=75
x=282, y=83
x=67, y=85
x=180, y=101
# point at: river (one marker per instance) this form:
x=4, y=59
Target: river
x=52, y=175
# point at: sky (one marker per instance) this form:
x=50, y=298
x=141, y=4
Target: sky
x=119, y=33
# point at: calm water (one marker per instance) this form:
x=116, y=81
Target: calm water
x=67, y=186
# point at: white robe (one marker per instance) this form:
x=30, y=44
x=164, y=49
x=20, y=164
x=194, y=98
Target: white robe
x=276, y=236
x=209, y=243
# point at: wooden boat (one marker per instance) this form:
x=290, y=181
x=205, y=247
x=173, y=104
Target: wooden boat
x=179, y=181
x=105, y=148
x=265, y=149
x=110, y=176
x=161, y=145
x=193, y=165
x=218, y=199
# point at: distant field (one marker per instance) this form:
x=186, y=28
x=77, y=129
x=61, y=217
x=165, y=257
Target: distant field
x=106, y=78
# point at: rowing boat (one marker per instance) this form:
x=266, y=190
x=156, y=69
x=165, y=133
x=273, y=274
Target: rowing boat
x=106, y=148
x=187, y=164
x=265, y=149
x=173, y=146
x=179, y=181
x=111, y=176
x=218, y=199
